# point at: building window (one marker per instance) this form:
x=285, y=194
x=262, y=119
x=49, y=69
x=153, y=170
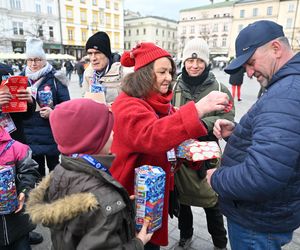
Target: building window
x=70, y=34
x=18, y=28
x=107, y=4
x=289, y=23
x=51, y=32
x=192, y=29
x=117, y=20
x=129, y=32
x=116, y=6
x=215, y=42
x=69, y=12
x=291, y=7
x=82, y=1
x=242, y=13
x=124, y=32
x=270, y=11
x=163, y=33
x=215, y=28
x=225, y=27
x=183, y=30
x=49, y=9
x=137, y=32
x=15, y=4
x=83, y=15
x=108, y=19
x=83, y=35
x=255, y=12
x=101, y=17
x=144, y=31
x=40, y=31
x=156, y=32
x=38, y=7
x=224, y=41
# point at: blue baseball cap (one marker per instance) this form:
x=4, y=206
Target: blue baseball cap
x=250, y=38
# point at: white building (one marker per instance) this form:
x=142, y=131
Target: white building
x=159, y=30
x=20, y=19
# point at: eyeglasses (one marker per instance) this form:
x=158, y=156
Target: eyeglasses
x=36, y=60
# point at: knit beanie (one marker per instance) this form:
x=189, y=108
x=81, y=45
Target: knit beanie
x=81, y=126
x=99, y=41
x=196, y=48
x=34, y=48
x=142, y=54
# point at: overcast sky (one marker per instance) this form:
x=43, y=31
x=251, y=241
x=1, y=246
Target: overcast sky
x=163, y=8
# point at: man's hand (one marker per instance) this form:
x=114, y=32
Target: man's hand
x=209, y=173
x=24, y=95
x=223, y=128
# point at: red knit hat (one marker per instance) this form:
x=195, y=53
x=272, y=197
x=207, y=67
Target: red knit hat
x=81, y=126
x=142, y=54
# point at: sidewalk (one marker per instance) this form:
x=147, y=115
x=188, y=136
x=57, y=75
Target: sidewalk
x=201, y=239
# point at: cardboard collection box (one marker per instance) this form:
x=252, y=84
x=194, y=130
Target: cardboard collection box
x=149, y=196
x=8, y=191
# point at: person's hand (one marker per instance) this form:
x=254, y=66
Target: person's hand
x=214, y=101
x=5, y=97
x=45, y=112
x=209, y=173
x=223, y=128
x=24, y=95
x=21, y=200
x=143, y=235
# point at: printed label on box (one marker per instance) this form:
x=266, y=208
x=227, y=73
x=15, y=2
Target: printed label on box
x=149, y=196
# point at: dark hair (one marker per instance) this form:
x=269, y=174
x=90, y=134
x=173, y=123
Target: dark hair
x=140, y=83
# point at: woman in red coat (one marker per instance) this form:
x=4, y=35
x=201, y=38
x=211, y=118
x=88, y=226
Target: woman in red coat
x=147, y=126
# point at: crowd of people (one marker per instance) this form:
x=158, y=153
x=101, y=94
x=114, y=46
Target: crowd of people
x=146, y=110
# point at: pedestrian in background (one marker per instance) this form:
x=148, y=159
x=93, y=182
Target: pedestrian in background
x=69, y=69
x=81, y=203
x=195, y=82
x=80, y=70
x=147, y=128
x=259, y=178
x=236, y=80
x=15, y=225
x=49, y=88
x=102, y=72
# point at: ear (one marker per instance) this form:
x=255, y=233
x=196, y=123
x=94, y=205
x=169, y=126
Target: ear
x=277, y=48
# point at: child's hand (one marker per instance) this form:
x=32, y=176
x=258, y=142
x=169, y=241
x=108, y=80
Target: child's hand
x=143, y=235
x=45, y=112
x=21, y=200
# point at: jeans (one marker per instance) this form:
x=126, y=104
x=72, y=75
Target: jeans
x=80, y=78
x=215, y=224
x=52, y=161
x=69, y=74
x=21, y=244
x=242, y=238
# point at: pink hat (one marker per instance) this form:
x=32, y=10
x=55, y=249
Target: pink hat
x=142, y=54
x=81, y=126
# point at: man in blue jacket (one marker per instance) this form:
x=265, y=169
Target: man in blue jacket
x=259, y=179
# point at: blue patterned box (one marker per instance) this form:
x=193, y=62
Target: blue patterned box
x=8, y=192
x=149, y=196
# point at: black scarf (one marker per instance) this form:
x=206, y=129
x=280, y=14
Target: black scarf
x=195, y=80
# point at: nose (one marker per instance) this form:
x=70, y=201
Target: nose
x=169, y=77
x=250, y=71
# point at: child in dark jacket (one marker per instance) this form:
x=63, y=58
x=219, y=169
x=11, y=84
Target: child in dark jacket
x=81, y=203
x=18, y=173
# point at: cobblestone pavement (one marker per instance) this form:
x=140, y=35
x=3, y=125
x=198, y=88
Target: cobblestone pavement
x=201, y=239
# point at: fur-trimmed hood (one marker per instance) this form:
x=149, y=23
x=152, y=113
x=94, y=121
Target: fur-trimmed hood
x=60, y=210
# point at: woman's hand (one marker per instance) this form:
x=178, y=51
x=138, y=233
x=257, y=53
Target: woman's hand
x=143, y=235
x=24, y=95
x=45, y=112
x=5, y=97
x=214, y=101
x=21, y=200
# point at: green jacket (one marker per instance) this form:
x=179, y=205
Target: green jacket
x=193, y=190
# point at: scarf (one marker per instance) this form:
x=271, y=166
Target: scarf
x=33, y=76
x=98, y=74
x=195, y=80
x=161, y=103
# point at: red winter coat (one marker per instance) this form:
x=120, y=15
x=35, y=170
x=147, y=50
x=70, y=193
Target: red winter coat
x=143, y=133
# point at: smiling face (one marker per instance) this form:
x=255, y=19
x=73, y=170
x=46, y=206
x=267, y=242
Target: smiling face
x=194, y=66
x=35, y=64
x=163, y=74
x=98, y=60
